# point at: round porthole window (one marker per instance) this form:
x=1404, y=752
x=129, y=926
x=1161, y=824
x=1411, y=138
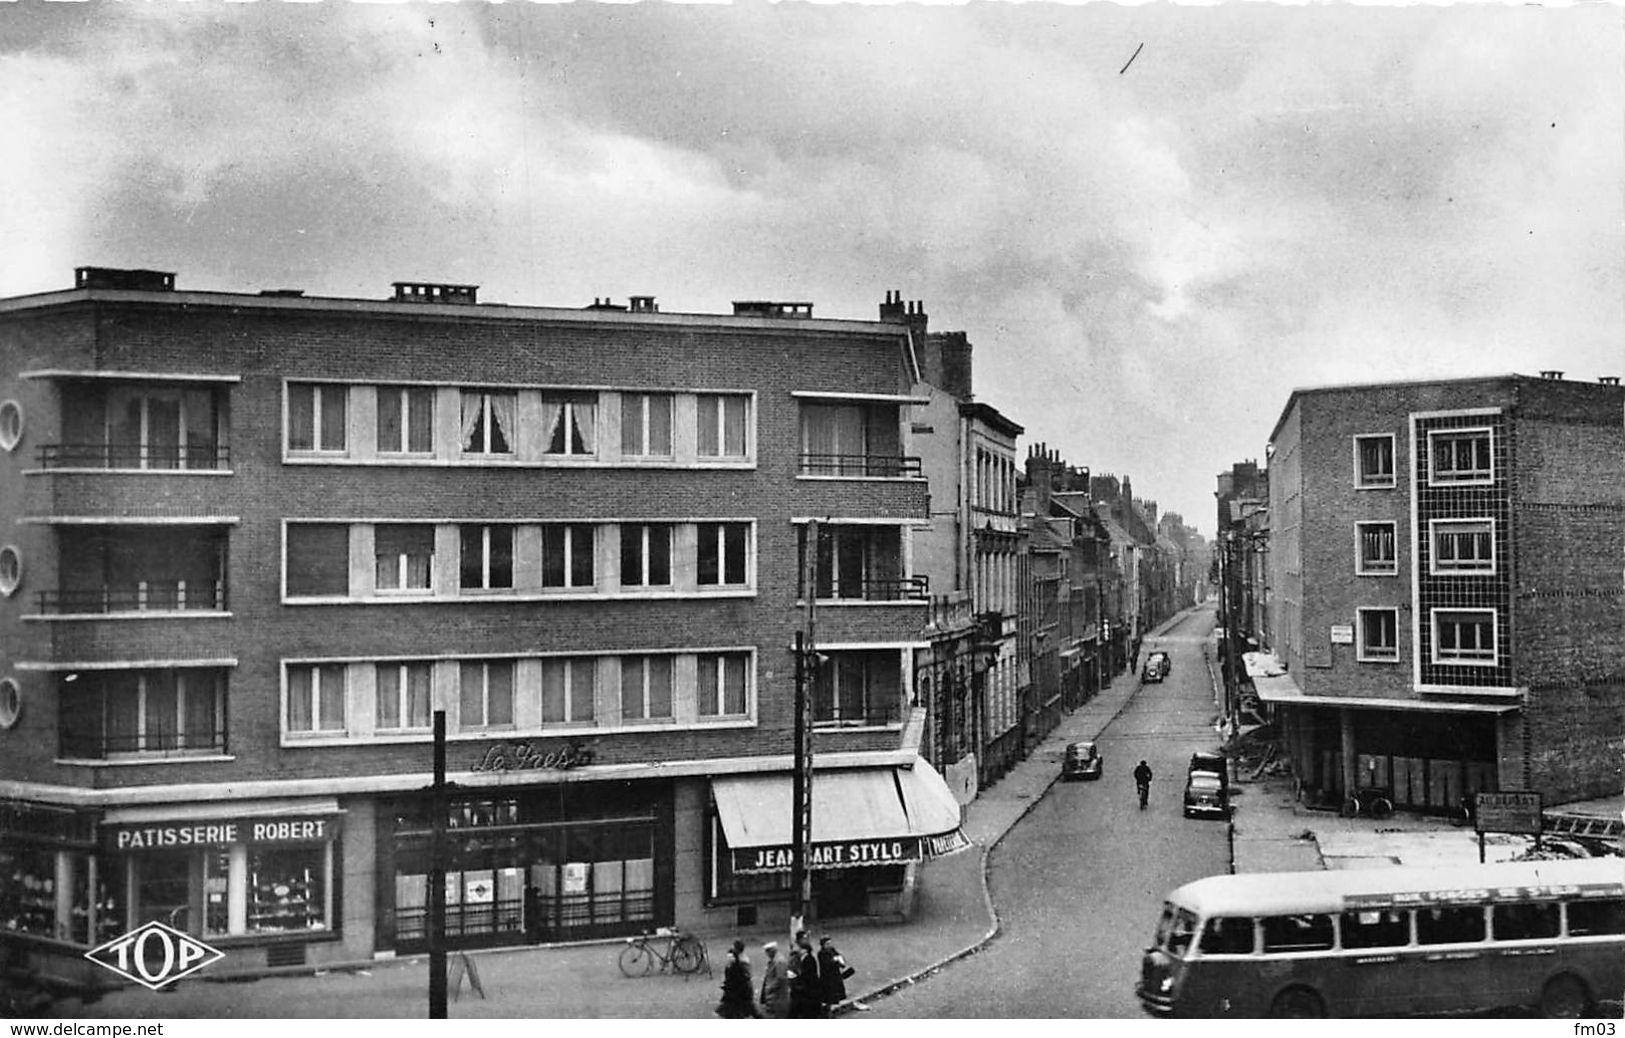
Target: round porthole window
x=11, y=424
x=11, y=702
x=11, y=570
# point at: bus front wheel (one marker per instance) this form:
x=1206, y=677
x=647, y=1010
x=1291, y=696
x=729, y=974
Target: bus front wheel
x=1297, y=1004
x=1564, y=998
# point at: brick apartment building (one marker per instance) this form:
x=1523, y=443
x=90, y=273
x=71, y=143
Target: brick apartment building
x=1445, y=593
x=249, y=543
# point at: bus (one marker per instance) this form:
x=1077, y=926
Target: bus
x=1394, y=941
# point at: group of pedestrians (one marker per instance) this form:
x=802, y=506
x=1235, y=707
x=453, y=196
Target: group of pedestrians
x=806, y=984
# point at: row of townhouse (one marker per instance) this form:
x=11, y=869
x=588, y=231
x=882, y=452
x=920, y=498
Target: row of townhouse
x=1433, y=570
x=254, y=543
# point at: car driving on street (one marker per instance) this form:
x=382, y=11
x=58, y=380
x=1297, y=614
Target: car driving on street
x=1082, y=760
x=1156, y=667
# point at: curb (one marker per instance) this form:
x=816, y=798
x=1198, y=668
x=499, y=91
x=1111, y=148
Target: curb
x=987, y=892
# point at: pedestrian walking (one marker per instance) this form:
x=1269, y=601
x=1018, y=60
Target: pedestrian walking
x=806, y=991
x=832, y=973
x=738, y=995
x=775, y=984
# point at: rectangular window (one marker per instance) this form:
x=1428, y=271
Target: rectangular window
x=569, y=690
x=1464, y=636
x=1373, y=461
x=316, y=416
x=857, y=688
x=405, y=420
x=1227, y=936
x=720, y=688
x=1594, y=918
x=720, y=425
x=288, y=888
x=485, y=557
x=645, y=555
x=1376, y=929
x=404, y=695
x=835, y=440
x=316, y=697
x=485, y=690
x=570, y=424
x=1449, y=925
x=488, y=421
x=158, y=427
x=721, y=557
x=646, y=687
x=1463, y=546
x=318, y=560
x=646, y=425
x=1379, y=635
x=1378, y=555
x=567, y=555
x=1297, y=933
x=1525, y=922
x=1460, y=456
x=404, y=555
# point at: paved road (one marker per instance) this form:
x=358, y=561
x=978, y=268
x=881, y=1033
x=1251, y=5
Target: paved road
x=1079, y=882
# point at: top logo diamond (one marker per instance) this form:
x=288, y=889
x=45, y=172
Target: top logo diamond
x=154, y=955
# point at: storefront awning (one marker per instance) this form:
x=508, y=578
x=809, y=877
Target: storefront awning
x=860, y=816
x=1281, y=690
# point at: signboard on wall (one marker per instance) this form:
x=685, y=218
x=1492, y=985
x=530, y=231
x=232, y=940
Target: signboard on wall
x=1342, y=634
x=1509, y=812
x=575, y=877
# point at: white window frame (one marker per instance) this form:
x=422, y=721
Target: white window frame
x=1456, y=661
x=402, y=669
x=567, y=666
x=718, y=695
x=1476, y=479
x=1362, y=652
x=404, y=392
x=484, y=587
x=643, y=558
x=571, y=549
x=567, y=402
x=183, y=691
x=1361, y=565
x=1438, y=528
x=488, y=423
x=1361, y=482
x=403, y=567
x=641, y=663
x=316, y=731
x=722, y=427
x=319, y=391
x=485, y=666
x=645, y=425
x=721, y=583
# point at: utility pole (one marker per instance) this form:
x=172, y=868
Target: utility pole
x=801, y=779
x=438, y=809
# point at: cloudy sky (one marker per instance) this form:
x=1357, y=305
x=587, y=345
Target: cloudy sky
x=1147, y=261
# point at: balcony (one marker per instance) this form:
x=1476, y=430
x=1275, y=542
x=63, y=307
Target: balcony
x=141, y=714
x=859, y=466
x=213, y=457
x=93, y=745
x=158, y=596
x=124, y=569
x=860, y=563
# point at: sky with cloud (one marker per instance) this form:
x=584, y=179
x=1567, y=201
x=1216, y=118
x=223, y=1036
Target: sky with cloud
x=1147, y=260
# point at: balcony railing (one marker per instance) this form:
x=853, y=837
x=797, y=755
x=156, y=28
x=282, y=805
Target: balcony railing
x=889, y=589
x=99, y=746
x=143, y=597
x=877, y=465
x=868, y=717
x=164, y=457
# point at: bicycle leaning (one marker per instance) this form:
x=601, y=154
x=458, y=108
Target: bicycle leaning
x=681, y=952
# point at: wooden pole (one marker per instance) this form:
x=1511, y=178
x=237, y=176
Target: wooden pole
x=437, y=873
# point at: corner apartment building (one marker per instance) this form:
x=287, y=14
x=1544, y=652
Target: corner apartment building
x=1445, y=567
x=251, y=543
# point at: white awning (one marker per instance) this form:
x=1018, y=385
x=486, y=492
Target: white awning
x=848, y=805
x=1281, y=690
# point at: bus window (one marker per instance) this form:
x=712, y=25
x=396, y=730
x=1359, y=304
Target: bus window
x=1449, y=925
x=1296, y=933
x=1376, y=929
x=1524, y=922
x=1176, y=936
x=1232, y=936
x=1602, y=916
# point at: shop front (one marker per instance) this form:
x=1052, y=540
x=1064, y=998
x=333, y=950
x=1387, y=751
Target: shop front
x=558, y=862
x=55, y=900
x=871, y=827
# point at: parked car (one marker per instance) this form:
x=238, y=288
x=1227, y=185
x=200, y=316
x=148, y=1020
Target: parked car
x=1210, y=762
x=1205, y=795
x=1156, y=667
x=1082, y=760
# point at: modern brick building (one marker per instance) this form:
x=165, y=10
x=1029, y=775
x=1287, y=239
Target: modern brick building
x=250, y=543
x=1445, y=565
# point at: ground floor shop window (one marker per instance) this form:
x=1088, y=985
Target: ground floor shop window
x=287, y=889
x=30, y=880
x=28, y=890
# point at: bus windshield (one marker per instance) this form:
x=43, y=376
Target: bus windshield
x=1176, y=930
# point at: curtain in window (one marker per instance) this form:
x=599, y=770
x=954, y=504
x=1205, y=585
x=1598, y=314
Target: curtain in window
x=818, y=436
x=585, y=413
x=583, y=689
x=419, y=695
x=389, y=419
x=553, y=426
x=299, y=697
x=733, y=689
x=852, y=441
x=123, y=713
x=471, y=695
x=301, y=419
x=502, y=412
x=473, y=413
x=420, y=420
x=553, y=691
x=197, y=416
x=202, y=696
x=632, y=415
x=733, y=426
x=331, y=708
x=659, y=407
x=660, y=681
x=706, y=425
x=389, y=696
x=334, y=400
x=706, y=685
x=499, y=693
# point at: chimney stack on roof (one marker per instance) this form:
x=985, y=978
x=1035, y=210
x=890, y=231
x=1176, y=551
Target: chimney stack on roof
x=1552, y=376
x=434, y=292
x=1609, y=380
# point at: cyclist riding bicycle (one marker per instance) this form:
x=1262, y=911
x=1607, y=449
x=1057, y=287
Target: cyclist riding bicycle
x=1142, y=781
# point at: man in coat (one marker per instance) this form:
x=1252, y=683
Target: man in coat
x=775, y=984
x=832, y=973
x=738, y=996
x=806, y=992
